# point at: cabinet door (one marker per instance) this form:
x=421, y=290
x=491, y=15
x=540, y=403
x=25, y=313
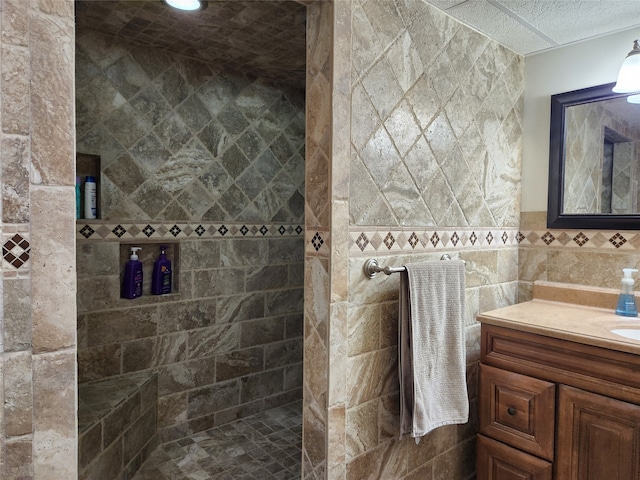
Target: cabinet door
x=598, y=437
x=497, y=461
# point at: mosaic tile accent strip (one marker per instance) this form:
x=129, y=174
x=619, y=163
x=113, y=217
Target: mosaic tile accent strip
x=16, y=251
x=393, y=240
x=575, y=239
x=175, y=231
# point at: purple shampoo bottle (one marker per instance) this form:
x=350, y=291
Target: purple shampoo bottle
x=132, y=281
x=161, y=280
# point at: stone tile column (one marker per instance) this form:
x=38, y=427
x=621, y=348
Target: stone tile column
x=38, y=345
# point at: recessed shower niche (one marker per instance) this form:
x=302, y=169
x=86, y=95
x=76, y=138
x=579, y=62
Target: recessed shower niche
x=87, y=165
x=147, y=254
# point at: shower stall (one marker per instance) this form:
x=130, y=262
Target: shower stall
x=194, y=124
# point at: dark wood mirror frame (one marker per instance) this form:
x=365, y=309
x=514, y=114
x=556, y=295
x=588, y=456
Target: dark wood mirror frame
x=555, y=216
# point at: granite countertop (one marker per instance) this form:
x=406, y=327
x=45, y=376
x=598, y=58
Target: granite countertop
x=569, y=312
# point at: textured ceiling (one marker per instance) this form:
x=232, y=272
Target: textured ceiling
x=530, y=26
x=263, y=38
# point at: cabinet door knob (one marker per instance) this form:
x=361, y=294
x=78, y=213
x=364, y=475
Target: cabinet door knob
x=511, y=411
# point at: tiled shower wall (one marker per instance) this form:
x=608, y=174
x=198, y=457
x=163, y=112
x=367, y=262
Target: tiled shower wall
x=183, y=140
x=227, y=345
x=435, y=115
x=38, y=427
x=185, y=146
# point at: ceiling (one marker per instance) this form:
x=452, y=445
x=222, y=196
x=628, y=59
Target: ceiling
x=267, y=37
x=530, y=26
x=262, y=38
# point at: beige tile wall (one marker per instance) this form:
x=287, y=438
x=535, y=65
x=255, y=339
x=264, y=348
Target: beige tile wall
x=37, y=355
x=586, y=257
x=317, y=293
x=435, y=112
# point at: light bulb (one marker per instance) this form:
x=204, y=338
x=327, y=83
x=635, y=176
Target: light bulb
x=185, y=4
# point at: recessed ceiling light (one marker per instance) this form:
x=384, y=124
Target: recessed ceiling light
x=189, y=5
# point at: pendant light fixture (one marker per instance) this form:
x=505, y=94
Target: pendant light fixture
x=188, y=5
x=629, y=75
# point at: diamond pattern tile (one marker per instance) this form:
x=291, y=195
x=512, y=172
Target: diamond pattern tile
x=16, y=251
x=175, y=130
x=450, y=87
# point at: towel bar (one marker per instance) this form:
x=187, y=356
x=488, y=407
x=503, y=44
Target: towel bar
x=372, y=267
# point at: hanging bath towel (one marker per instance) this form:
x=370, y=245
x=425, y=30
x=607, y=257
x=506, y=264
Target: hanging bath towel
x=432, y=358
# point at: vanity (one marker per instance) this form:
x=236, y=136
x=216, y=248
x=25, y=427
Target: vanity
x=559, y=390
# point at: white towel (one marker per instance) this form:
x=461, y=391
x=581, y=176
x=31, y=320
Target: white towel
x=432, y=359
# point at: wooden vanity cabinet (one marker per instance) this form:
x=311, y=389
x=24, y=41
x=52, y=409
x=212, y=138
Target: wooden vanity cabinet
x=556, y=409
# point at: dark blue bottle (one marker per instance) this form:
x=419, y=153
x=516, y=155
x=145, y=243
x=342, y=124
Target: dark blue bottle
x=161, y=280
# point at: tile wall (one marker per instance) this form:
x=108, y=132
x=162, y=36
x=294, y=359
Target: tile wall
x=208, y=161
x=184, y=140
x=38, y=425
x=227, y=345
x=586, y=257
x=434, y=166
x=317, y=268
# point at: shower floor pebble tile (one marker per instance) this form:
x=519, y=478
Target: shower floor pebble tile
x=266, y=446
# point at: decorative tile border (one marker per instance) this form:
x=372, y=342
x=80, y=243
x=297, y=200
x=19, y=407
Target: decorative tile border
x=176, y=231
x=577, y=239
x=364, y=241
x=390, y=240
x=16, y=250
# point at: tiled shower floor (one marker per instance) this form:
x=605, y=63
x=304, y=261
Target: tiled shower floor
x=266, y=446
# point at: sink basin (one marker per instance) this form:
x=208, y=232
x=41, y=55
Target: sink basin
x=633, y=333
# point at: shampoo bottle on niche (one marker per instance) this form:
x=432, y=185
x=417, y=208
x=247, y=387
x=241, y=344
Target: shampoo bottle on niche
x=132, y=282
x=626, y=300
x=161, y=281
x=90, y=200
x=78, y=199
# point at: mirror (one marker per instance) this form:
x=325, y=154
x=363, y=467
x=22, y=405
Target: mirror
x=594, y=160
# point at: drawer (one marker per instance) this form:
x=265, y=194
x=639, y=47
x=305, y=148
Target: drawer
x=518, y=410
x=497, y=461
x=600, y=370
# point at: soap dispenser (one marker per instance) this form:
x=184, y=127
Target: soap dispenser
x=161, y=280
x=132, y=281
x=627, y=300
